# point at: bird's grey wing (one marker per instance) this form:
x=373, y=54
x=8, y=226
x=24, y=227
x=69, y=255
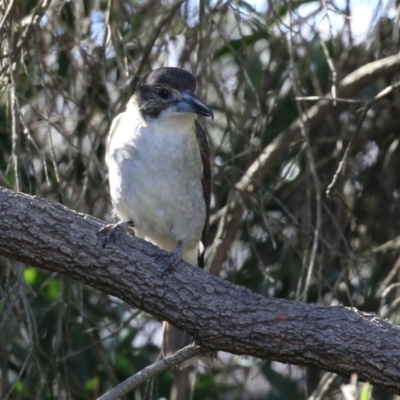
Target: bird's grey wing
x=114, y=126
x=206, y=183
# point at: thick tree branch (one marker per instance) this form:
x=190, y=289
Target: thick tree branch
x=271, y=154
x=218, y=314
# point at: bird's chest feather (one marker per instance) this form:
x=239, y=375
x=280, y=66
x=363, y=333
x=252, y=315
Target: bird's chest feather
x=155, y=179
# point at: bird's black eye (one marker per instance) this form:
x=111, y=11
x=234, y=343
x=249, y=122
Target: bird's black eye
x=163, y=93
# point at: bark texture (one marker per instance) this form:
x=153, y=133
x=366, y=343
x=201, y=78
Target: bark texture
x=218, y=314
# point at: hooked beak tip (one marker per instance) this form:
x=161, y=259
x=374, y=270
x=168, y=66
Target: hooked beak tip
x=191, y=103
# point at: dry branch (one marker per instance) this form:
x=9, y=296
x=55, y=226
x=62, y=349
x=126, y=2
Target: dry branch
x=149, y=372
x=272, y=153
x=218, y=314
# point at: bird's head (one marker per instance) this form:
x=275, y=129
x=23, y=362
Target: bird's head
x=169, y=92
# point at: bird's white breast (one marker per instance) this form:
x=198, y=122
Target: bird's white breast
x=155, y=178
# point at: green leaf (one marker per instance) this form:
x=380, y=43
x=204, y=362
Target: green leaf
x=52, y=290
x=30, y=275
x=366, y=392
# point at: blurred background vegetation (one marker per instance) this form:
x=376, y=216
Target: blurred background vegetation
x=68, y=67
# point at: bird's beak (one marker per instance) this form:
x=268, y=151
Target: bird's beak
x=191, y=103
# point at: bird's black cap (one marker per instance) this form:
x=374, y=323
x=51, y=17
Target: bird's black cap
x=177, y=78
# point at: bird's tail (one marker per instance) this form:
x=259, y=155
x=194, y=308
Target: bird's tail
x=175, y=339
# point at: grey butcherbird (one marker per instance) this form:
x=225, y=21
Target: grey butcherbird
x=160, y=175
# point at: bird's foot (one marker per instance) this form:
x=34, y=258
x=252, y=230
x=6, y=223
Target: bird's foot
x=111, y=232
x=172, y=259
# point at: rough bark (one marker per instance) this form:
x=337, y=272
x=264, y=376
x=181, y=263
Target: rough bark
x=218, y=314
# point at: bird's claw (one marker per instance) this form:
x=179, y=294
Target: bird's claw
x=172, y=259
x=111, y=232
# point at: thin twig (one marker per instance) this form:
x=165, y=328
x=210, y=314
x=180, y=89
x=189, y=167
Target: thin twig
x=152, y=370
x=333, y=99
x=304, y=129
x=5, y=15
x=380, y=95
x=14, y=117
x=157, y=31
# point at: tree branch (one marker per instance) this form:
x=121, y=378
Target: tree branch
x=272, y=153
x=152, y=370
x=218, y=314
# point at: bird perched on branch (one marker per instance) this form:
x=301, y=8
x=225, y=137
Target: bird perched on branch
x=160, y=175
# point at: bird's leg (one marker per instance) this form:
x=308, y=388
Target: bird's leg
x=111, y=232
x=172, y=259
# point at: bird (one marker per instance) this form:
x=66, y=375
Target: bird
x=160, y=176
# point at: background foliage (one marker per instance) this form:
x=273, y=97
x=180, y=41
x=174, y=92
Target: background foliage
x=68, y=67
